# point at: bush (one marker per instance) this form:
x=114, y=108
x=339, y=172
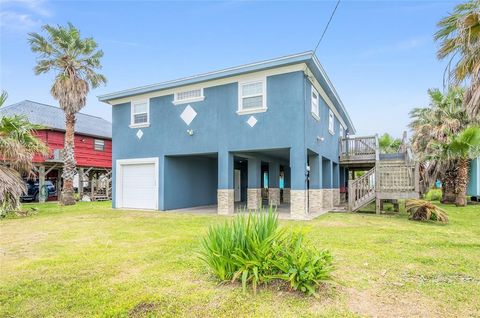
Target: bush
x=252, y=249
x=434, y=195
x=421, y=210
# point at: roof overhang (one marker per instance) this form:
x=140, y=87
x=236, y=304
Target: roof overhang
x=308, y=58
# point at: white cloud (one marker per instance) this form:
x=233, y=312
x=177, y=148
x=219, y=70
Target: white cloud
x=23, y=15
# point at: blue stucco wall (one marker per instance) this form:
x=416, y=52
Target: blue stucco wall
x=189, y=182
x=473, y=185
x=219, y=130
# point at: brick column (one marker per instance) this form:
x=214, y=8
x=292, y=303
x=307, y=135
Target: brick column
x=274, y=196
x=286, y=195
x=225, y=192
x=254, y=198
x=273, y=183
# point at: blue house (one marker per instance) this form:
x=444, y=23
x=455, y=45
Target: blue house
x=474, y=180
x=261, y=133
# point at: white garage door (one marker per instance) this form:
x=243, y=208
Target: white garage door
x=138, y=186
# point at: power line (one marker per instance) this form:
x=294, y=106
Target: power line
x=326, y=27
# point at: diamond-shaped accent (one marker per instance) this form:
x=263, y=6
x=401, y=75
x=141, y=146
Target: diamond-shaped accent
x=252, y=121
x=139, y=134
x=188, y=115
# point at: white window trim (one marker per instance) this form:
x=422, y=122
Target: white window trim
x=316, y=114
x=331, y=130
x=140, y=125
x=119, y=177
x=189, y=100
x=264, y=107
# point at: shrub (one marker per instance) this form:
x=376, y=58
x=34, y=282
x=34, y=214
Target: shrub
x=252, y=249
x=434, y=195
x=421, y=210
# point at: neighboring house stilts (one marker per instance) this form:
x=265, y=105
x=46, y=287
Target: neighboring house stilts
x=266, y=133
x=93, y=148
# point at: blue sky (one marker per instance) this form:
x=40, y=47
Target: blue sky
x=380, y=55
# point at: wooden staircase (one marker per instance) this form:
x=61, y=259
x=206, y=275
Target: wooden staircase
x=391, y=176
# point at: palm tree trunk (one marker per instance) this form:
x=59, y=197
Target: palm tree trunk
x=462, y=182
x=69, y=164
x=448, y=186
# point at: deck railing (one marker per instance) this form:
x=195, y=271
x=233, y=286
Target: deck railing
x=361, y=190
x=396, y=178
x=359, y=148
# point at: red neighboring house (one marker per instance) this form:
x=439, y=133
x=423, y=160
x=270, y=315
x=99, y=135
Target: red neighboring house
x=93, y=144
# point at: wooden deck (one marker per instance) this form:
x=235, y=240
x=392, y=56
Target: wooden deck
x=390, y=176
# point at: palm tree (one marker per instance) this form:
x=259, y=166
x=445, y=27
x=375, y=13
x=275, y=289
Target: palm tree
x=444, y=116
x=388, y=144
x=461, y=147
x=18, y=144
x=459, y=36
x=74, y=61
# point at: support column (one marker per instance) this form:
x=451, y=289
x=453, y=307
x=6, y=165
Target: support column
x=315, y=192
x=286, y=185
x=298, y=194
x=327, y=179
x=80, y=183
x=336, y=181
x=41, y=183
x=254, y=190
x=273, y=183
x=225, y=192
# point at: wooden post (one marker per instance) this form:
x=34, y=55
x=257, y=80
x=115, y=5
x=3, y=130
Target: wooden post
x=41, y=183
x=377, y=205
x=59, y=184
x=92, y=188
x=80, y=182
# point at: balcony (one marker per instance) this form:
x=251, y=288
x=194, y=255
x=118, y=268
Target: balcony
x=359, y=150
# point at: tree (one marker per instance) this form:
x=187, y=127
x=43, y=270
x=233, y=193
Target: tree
x=388, y=144
x=459, y=36
x=445, y=116
x=18, y=144
x=461, y=147
x=74, y=60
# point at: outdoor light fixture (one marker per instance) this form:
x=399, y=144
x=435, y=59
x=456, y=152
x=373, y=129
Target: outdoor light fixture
x=320, y=138
x=190, y=132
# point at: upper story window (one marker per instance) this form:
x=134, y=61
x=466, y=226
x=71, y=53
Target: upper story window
x=315, y=104
x=252, y=97
x=193, y=95
x=140, y=114
x=331, y=122
x=99, y=144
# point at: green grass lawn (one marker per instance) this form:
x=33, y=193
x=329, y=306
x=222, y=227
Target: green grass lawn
x=89, y=260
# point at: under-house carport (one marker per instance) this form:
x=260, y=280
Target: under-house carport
x=190, y=181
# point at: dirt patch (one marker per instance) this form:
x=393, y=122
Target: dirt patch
x=142, y=309
x=389, y=304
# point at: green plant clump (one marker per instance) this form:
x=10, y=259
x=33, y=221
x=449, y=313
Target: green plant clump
x=253, y=249
x=434, y=195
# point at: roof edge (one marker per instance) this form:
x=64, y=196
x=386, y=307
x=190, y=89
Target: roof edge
x=231, y=71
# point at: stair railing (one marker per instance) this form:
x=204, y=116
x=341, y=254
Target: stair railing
x=361, y=190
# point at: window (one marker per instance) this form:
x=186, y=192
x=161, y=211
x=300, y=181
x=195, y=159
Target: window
x=252, y=97
x=331, y=122
x=99, y=144
x=193, y=95
x=315, y=109
x=140, y=114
